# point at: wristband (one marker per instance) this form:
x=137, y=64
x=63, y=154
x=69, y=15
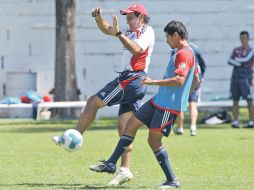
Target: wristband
x=118, y=33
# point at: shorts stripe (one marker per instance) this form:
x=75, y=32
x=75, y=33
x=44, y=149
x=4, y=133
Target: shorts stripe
x=112, y=94
x=165, y=118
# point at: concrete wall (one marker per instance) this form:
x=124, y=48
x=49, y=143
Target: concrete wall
x=27, y=40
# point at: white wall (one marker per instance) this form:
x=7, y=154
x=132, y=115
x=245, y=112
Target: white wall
x=27, y=40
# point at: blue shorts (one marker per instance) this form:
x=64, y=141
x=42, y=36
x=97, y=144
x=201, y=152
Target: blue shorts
x=194, y=96
x=241, y=87
x=125, y=90
x=156, y=119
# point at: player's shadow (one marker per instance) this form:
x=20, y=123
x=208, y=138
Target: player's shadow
x=66, y=186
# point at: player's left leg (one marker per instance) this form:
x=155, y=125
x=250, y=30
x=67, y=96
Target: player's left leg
x=126, y=140
x=251, y=114
x=193, y=99
x=245, y=89
x=143, y=116
x=124, y=174
x=193, y=116
x=161, y=155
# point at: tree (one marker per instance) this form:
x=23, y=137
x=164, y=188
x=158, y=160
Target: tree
x=65, y=74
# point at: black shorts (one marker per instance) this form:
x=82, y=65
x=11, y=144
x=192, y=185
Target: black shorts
x=241, y=87
x=125, y=90
x=156, y=119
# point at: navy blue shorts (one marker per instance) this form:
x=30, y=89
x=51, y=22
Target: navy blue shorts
x=125, y=90
x=241, y=87
x=194, y=96
x=156, y=119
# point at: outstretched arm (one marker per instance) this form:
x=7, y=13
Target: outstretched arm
x=132, y=46
x=102, y=23
x=178, y=80
x=104, y=26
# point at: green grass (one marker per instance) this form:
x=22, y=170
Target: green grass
x=218, y=158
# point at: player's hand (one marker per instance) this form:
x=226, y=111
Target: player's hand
x=115, y=24
x=96, y=12
x=147, y=81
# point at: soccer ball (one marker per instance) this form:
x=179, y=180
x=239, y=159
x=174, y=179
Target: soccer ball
x=71, y=140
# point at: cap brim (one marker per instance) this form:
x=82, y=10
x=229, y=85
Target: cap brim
x=125, y=11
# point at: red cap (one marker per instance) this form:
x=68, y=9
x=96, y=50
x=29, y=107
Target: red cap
x=134, y=8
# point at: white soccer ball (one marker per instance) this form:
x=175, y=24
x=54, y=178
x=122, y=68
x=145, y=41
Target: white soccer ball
x=71, y=140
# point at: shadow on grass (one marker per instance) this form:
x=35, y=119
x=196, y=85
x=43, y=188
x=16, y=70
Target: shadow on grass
x=66, y=186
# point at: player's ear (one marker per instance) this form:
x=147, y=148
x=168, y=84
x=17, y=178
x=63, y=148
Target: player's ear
x=175, y=35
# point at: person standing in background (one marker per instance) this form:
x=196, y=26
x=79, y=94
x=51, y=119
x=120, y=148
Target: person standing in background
x=194, y=96
x=242, y=58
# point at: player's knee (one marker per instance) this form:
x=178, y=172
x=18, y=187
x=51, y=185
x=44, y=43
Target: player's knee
x=154, y=143
x=94, y=101
x=150, y=141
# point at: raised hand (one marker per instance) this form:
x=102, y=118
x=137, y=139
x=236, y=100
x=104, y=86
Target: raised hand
x=96, y=12
x=115, y=24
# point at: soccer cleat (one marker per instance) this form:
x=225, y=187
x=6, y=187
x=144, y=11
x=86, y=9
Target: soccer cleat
x=249, y=126
x=193, y=132
x=235, y=126
x=168, y=185
x=104, y=167
x=178, y=130
x=121, y=177
x=57, y=140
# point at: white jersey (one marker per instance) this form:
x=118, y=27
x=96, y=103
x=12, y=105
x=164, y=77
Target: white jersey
x=144, y=37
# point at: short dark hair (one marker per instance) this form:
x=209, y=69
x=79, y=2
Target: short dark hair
x=244, y=33
x=146, y=18
x=176, y=26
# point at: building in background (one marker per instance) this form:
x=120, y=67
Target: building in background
x=27, y=42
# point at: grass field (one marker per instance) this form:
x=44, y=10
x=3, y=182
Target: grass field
x=219, y=158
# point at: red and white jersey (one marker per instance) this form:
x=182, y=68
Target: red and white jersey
x=144, y=37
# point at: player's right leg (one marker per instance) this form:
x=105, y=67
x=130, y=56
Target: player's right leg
x=93, y=104
x=235, y=93
x=178, y=130
x=108, y=95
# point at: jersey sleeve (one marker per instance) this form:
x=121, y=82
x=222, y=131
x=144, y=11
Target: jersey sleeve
x=184, y=62
x=146, y=38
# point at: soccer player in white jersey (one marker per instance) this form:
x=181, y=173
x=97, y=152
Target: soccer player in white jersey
x=125, y=90
x=159, y=113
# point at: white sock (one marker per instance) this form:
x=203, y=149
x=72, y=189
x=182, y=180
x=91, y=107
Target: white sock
x=193, y=127
x=124, y=169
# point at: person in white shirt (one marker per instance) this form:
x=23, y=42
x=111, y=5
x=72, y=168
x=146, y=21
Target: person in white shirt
x=126, y=89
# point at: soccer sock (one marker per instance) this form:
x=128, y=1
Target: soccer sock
x=162, y=157
x=123, y=143
x=193, y=127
